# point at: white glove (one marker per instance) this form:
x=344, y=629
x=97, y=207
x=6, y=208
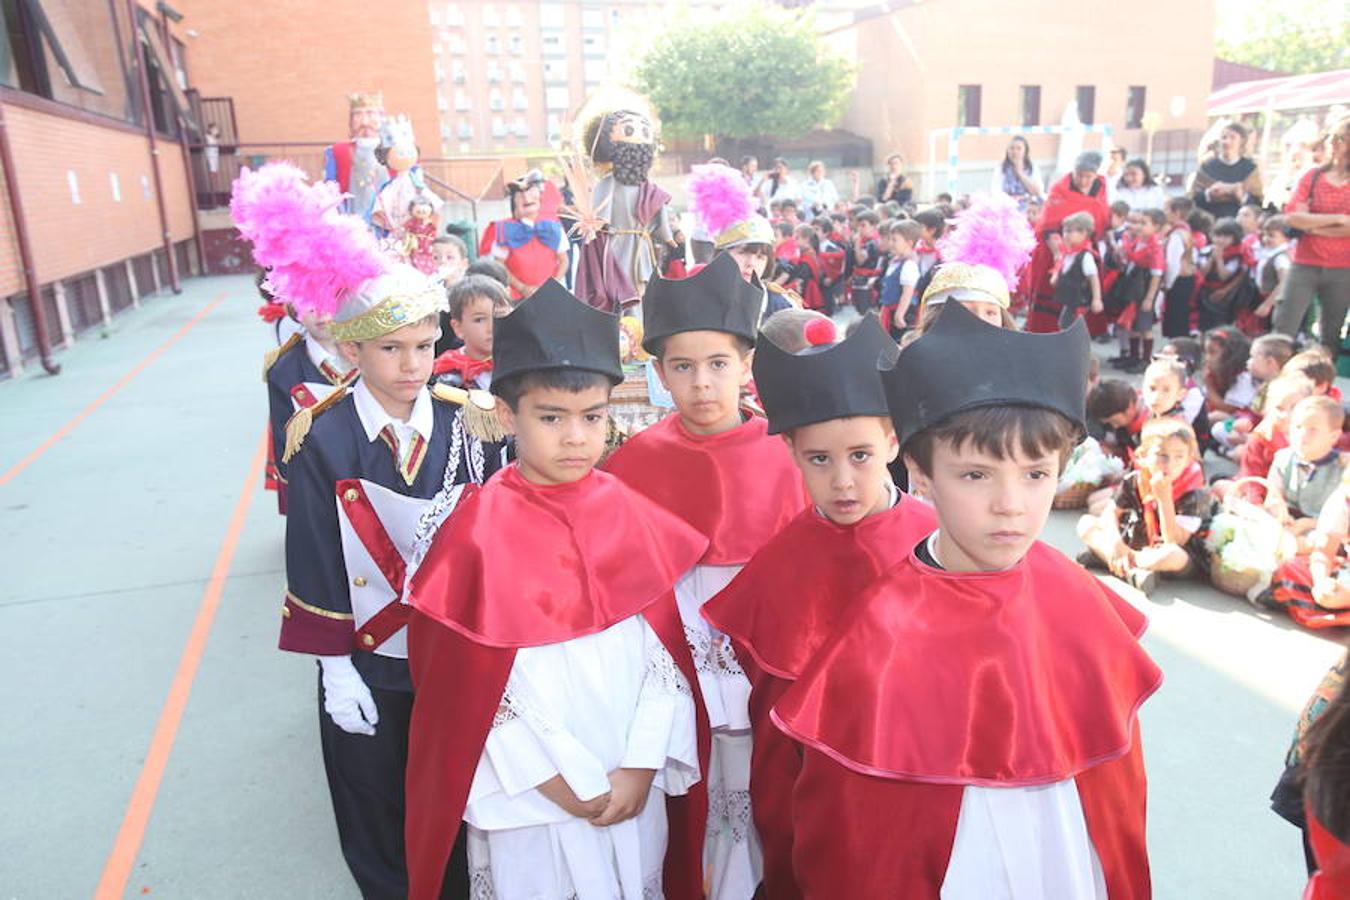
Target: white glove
x=346, y=698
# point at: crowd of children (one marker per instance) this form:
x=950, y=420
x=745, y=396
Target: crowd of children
x=650, y=689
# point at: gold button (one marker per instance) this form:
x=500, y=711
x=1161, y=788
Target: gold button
x=350, y=495
x=285, y=611
x=368, y=640
x=359, y=581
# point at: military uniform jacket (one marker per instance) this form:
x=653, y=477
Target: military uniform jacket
x=294, y=381
x=331, y=476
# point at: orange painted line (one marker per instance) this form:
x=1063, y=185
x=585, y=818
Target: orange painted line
x=117, y=870
x=102, y=398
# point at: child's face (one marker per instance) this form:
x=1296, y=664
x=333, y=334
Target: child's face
x=867, y=230
x=1168, y=457
x=1123, y=419
x=1213, y=352
x=929, y=233
x=987, y=310
x=1074, y=236
x=704, y=372
x=752, y=259
x=317, y=326
x=421, y=211
x=395, y=367
x=1280, y=406
x=1162, y=392
x=990, y=511
x=450, y=263
x=1133, y=222
x=474, y=327
x=899, y=244
x=560, y=435
x=1117, y=220
x=1147, y=227
x=1221, y=241
x=1263, y=366
x=1274, y=237
x=1246, y=217
x=843, y=463
x=1310, y=434
x=1173, y=217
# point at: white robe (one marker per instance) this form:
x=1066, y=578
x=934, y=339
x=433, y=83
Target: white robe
x=733, y=862
x=1023, y=843
x=580, y=709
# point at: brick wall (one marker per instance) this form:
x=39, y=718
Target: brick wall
x=69, y=237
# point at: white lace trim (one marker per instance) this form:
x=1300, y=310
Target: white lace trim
x=515, y=704
x=728, y=814
x=712, y=656
x=665, y=675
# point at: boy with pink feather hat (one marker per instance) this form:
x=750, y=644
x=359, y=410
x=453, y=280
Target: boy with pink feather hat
x=373, y=470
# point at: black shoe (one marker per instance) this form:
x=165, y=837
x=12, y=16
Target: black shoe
x=1142, y=580
x=1121, y=362
x=1104, y=338
x=1135, y=367
x=1089, y=560
x=1266, y=600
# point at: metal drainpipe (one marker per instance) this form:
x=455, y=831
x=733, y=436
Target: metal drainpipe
x=141, y=67
x=187, y=162
x=26, y=250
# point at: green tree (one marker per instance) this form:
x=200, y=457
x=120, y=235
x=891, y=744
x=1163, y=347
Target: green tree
x=755, y=71
x=1299, y=36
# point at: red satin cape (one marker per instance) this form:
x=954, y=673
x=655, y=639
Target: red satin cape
x=1021, y=677
x=521, y=565
x=1332, y=881
x=856, y=835
x=738, y=488
x=1062, y=202
x=778, y=611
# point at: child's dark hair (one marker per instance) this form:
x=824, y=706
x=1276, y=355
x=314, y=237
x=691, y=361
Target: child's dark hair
x=1199, y=220
x=511, y=388
x=1120, y=208
x=658, y=346
x=869, y=217
x=472, y=287
x=1315, y=364
x=1229, y=228
x=909, y=229
x=1279, y=224
x=1231, y=361
x=1183, y=206
x=1326, y=766
x=1279, y=347
x=931, y=219
x=999, y=431
x=783, y=229
x=1188, y=352
x=1110, y=397
x=867, y=201
x=810, y=234
x=452, y=240
x=786, y=202
x=1156, y=216
x=492, y=268
x=944, y=197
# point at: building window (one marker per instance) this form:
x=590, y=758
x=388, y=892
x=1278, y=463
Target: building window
x=490, y=16
x=456, y=43
x=555, y=97
x=516, y=44
x=522, y=128
x=458, y=74
x=461, y=100
x=593, y=19
x=1031, y=105
x=595, y=71
x=593, y=45
x=492, y=45
x=552, y=45
x=518, y=100
x=498, y=127
x=513, y=16
x=1086, y=95
x=554, y=127
x=1134, y=106
x=465, y=131
x=494, y=72
x=441, y=103
x=551, y=15
x=435, y=18
x=968, y=106
x=495, y=102
x=454, y=16
x=517, y=72
x=555, y=70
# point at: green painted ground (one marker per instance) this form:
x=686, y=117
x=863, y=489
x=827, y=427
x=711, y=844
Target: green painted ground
x=109, y=539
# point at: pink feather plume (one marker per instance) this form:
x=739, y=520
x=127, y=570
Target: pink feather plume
x=992, y=231
x=719, y=196
x=315, y=254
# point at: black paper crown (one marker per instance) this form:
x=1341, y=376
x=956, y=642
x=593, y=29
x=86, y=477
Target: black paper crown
x=834, y=381
x=963, y=363
x=554, y=330
x=716, y=298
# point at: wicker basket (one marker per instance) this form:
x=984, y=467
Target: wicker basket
x=1075, y=496
x=1238, y=582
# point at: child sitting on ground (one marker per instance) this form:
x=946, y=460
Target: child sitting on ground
x=1162, y=509
x=1304, y=474
x=474, y=302
x=1164, y=393
x=1268, y=355
x=1116, y=405
x=1271, y=434
x=1318, y=367
x=1229, y=388
x=1315, y=588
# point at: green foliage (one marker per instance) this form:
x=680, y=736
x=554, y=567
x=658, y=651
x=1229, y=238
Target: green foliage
x=1298, y=37
x=754, y=71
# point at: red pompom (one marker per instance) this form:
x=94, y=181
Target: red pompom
x=819, y=332
x=272, y=312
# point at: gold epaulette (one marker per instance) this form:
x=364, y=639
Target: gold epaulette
x=478, y=410
x=297, y=428
x=790, y=296
x=271, y=356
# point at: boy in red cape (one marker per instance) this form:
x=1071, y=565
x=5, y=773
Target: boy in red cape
x=556, y=704
x=721, y=471
x=1082, y=190
x=828, y=404
x=972, y=731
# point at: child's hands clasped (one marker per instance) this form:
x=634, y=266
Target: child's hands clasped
x=561, y=793
x=628, y=793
